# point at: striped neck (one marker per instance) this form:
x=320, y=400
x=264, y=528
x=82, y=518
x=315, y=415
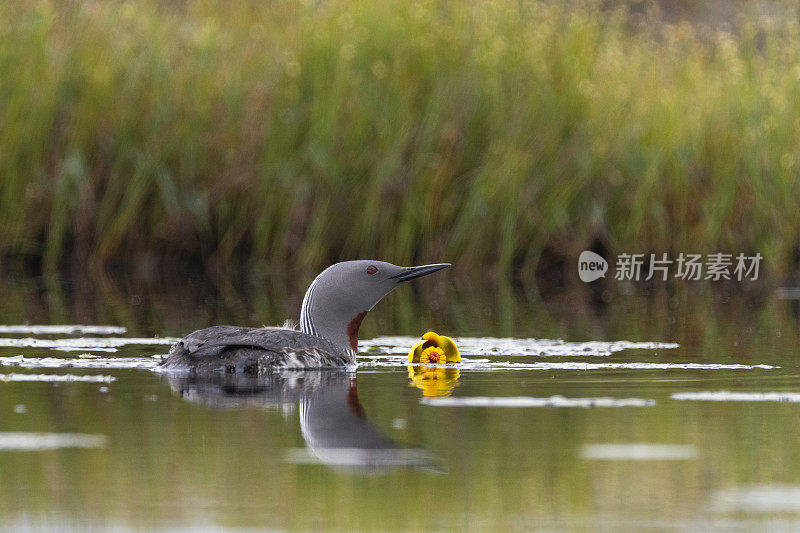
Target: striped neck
x=306, y=321
x=322, y=317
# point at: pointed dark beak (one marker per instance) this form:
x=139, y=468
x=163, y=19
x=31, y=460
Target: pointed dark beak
x=417, y=272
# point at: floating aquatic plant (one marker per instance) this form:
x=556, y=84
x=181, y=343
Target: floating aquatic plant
x=434, y=349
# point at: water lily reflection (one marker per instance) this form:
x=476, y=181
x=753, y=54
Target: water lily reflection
x=434, y=381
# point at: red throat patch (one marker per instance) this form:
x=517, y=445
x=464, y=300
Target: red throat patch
x=352, y=401
x=352, y=329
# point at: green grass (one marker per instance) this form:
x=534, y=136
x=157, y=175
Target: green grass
x=494, y=134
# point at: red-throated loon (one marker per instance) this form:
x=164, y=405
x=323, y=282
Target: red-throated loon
x=333, y=308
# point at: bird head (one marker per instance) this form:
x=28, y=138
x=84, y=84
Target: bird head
x=339, y=298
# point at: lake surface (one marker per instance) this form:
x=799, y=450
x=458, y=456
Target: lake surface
x=550, y=422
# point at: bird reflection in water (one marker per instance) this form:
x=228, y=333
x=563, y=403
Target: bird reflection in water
x=332, y=421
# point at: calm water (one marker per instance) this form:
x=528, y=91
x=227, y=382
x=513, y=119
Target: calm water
x=527, y=433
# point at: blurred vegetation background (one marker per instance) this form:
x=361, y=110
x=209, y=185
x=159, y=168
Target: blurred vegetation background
x=503, y=135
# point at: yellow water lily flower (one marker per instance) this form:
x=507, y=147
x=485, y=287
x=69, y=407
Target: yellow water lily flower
x=434, y=348
x=433, y=380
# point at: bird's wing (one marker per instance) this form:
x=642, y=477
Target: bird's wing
x=292, y=347
x=212, y=341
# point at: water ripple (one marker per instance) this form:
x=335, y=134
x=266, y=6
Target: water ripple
x=60, y=378
x=75, y=329
x=493, y=346
x=638, y=451
x=366, y=361
x=527, y=401
x=728, y=396
x=758, y=499
x=83, y=343
x=121, y=363
x=16, y=441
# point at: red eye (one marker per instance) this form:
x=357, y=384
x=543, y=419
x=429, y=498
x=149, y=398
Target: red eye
x=371, y=270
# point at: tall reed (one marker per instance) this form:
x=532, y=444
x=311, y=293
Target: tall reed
x=294, y=134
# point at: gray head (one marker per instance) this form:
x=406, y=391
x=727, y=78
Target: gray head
x=339, y=298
